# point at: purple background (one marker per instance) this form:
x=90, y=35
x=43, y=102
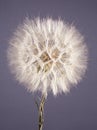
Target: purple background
x=75, y=111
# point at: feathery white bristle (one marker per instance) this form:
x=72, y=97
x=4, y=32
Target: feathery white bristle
x=47, y=55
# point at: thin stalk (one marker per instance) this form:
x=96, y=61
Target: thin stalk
x=40, y=112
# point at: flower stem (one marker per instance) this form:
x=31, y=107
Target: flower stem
x=41, y=112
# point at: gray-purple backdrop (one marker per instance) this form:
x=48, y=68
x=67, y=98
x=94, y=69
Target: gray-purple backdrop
x=75, y=111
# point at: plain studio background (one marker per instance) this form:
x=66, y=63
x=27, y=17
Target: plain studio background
x=75, y=111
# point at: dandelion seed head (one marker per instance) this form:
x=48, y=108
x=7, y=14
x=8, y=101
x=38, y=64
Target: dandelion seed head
x=47, y=55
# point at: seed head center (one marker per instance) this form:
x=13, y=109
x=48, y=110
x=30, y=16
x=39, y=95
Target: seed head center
x=48, y=59
x=45, y=57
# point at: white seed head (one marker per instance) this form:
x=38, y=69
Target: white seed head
x=47, y=55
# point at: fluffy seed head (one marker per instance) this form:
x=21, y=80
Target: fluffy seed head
x=47, y=55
